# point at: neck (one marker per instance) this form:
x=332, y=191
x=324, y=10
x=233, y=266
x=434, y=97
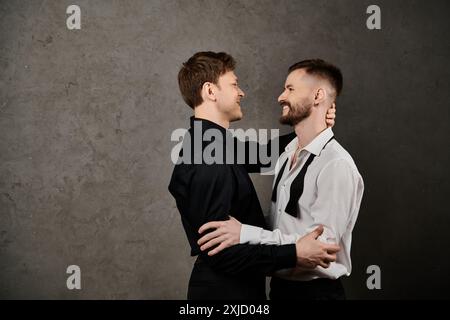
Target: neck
x=208, y=112
x=310, y=128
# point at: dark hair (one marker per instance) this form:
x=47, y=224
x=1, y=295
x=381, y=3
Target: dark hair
x=323, y=70
x=200, y=68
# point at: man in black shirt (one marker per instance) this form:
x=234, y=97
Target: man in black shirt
x=207, y=190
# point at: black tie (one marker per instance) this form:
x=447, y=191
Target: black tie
x=277, y=181
x=296, y=185
x=297, y=188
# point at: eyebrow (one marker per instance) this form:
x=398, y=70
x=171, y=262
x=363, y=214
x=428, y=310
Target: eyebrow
x=289, y=86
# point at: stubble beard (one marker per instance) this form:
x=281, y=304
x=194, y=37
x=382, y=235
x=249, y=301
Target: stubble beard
x=297, y=113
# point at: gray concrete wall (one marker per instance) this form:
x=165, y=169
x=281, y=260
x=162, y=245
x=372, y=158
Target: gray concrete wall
x=86, y=117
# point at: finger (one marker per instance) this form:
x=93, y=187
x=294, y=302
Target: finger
x=330, y=257
x=212, y=243
x=209, y=236
x=317, y=232
x=219, y=248
x=332, y=248
x=210, y=225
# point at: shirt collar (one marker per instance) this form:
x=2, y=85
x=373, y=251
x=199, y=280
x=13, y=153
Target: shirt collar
x=316, y=145
x=207, y=124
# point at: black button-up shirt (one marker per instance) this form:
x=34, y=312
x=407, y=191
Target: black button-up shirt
x=210, y=192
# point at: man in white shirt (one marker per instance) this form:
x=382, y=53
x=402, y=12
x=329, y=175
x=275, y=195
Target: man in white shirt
x=316, y=184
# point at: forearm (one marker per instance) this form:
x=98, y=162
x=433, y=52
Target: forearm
x=252, y=259
x=255, y=235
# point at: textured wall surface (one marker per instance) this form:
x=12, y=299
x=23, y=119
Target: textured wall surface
x=86, y=117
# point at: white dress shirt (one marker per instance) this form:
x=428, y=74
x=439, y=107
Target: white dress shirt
x=332, y=194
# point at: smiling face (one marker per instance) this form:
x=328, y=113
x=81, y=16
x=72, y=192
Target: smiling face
x=229, y=96
x=297, y=98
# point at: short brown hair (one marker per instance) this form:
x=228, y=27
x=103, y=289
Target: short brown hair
x=202, y=67
x=321, y=69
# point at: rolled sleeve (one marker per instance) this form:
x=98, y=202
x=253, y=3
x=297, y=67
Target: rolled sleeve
x=256, y=235
x=250, y=234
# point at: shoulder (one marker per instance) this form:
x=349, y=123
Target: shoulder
x=335, y=152
x=336, y=158
x=201, y=176
x=212, y=173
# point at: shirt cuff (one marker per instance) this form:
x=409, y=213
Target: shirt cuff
x=250, y=234
x=286, y=256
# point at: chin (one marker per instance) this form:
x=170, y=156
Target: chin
x=285, y=120
x=237, y=118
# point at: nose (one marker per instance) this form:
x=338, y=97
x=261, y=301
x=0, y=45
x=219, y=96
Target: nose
x=241, y=93
x=282, y=97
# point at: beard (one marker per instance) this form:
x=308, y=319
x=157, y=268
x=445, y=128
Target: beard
x=297, y=112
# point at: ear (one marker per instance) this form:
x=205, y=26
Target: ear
x=320, y=96
x=208, y=91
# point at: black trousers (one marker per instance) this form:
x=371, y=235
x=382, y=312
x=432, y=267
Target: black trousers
x=317, y=289
x=208, y=284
